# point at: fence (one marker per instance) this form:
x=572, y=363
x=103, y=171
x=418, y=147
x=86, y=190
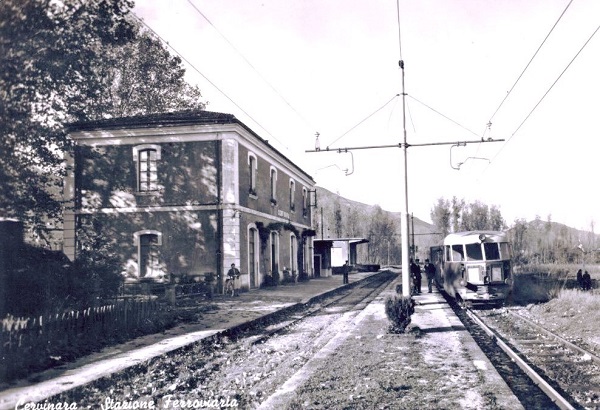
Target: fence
x=33, y=344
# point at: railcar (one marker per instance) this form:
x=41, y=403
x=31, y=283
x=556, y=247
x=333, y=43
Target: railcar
x=474, y=267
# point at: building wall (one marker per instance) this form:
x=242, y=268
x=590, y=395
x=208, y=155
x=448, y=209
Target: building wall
x=202, y=212
x=182, y=211
x=188, y=245
x=257, y=209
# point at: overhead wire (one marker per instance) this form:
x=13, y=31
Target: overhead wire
x=363, y=120
x=251, y=65
x=547, y=91
x=527, y=66
x=206, y=78
x=446, y=117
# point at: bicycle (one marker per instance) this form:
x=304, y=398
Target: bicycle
x=230, y=287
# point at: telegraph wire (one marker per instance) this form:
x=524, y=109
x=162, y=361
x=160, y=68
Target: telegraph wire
x=527, y=66
x=546, y=93
x=369, y=116
x=250, y=64
x=206, y=78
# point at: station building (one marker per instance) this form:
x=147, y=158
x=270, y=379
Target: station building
x=183, y=195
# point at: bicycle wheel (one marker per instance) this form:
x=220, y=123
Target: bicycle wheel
x=229, y=290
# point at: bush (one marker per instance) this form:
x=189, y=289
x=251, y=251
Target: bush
x=272, y=280
x=399, y=309
x=288, y=277
x=303, y=277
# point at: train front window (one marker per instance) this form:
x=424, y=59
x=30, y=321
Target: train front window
x=457, y=253
x=505, y=250
x=492, y=252
x=474, y=252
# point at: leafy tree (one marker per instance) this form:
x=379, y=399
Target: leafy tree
x=382, y=229
x=457, y=207
x=456, y=215
x=496, y=220
x=440, y=216
x=65, y=61
x=141, y=77
x=517, y=238
x=48, y=50
x=475, y=217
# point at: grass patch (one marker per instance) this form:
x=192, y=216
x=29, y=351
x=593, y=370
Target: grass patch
x=572, y=312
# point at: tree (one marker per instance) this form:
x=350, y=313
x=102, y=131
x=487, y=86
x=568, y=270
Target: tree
x=456, y=215
x=475, y=216
x=440, y=216
x=382, y=229
x=517, y=238
x=496, y=220
x=141, y=77
x=65, y=61
x=48, y=48
x=457, y=207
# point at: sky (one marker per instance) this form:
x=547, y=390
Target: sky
x=291, y=69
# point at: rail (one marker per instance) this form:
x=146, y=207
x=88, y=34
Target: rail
x=556, y=397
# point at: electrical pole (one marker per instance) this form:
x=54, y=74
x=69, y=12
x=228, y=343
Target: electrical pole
x=404, y=220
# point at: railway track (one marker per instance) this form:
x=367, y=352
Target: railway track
x=248, y=365
x=527, y=389
x=566, y=372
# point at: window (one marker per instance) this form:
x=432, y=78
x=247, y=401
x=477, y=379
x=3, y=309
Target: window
x=474, y=252
x=457, y=253
x=292, y=194
x=273, y=186
x=492, y=251
x=304, y=202
x=147, y=157
x=252, y=165
x=148, y=244
x=505, y=250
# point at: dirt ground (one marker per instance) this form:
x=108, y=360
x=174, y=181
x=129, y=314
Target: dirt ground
x=334, y=360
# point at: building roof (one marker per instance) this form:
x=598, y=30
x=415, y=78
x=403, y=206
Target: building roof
x=158, y=120
x=172, y=119
x=349, y=240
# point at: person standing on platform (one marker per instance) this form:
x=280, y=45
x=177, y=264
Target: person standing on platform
x=415, y=271
x=430, y=272
x=345, y=272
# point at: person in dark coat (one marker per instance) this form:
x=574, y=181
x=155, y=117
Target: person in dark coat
x=415, y=271
x=234, y=275
x=345, y=272
x=579, y=279
x=586, y=281
x=430, y=272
